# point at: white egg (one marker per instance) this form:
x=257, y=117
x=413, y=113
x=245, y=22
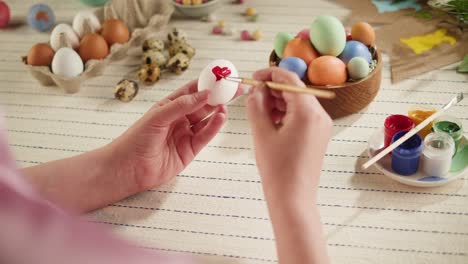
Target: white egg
x=67, y=63
x=70, y=38
x=86, y=22
x=222, y=91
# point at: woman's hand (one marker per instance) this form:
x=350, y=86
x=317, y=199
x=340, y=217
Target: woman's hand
x=151, y=152
x=291, y=133
x=167, y=138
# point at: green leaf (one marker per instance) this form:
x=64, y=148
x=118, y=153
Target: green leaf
x=463, y=67
x=423, y=14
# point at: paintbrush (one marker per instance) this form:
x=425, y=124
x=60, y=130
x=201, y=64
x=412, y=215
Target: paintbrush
x=413, y=131
x=284, y=87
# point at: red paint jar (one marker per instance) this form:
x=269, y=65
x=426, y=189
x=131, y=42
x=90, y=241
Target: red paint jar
x=394, y=124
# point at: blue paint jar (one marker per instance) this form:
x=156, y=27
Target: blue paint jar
x=405, y=158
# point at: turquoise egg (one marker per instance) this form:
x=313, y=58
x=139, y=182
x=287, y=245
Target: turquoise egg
x=41, y=17
x=358, y=68
x=94, y=2
x=328, y=35
x=281, y=40
x=353, y=49
x=294, y=64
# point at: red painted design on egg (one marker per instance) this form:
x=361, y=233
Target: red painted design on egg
x=221, y=73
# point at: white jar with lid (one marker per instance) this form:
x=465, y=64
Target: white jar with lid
x=437, y=154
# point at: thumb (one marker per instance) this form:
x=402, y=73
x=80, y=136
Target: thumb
x=259, y=107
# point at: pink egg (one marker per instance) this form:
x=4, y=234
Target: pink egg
x=4, y=14
x=304, y=34
x=217, y=30
x=245, y=35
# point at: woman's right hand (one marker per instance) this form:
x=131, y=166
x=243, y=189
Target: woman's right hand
x=291, y=132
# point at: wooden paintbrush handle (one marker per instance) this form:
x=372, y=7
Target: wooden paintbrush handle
x=291, y=88
x=296, y=89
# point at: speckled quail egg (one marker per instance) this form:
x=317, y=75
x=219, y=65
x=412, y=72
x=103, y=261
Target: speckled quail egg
x=181, y=47
x=149, y=74
x=155, y=57
x=178, y=63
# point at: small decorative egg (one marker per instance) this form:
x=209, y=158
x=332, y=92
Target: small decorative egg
x=126, y=90
x=328, y=35
x=186, y=2
x=253, y=18
x=197, y=2
x=353, y=49
x=155, y=57
x=229, y=31
x=153, y=44
x=176, y=35
x=217, y=30
x=181, y=47
x=93, y=47
x=300, y=48
x=222, y=23
x=281, y=40
x=40, y=54
x=63, y=35
x=4, y=14
x=348, y=35
x=304, y=34
x=86, y=22
x=94, y=2
x=115, y=31
x=67, y=63
x=245, y=35
x=41, y=17
x=358, y=68
x=178, y=63
x=209, y=18
x=327, y=70
x=250, y=11
x=364, y=33
x=257, y=35
x=294, y=64
x=212, y=78
x=149, y=74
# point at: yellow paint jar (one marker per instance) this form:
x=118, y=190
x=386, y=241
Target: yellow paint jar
x=419, y=114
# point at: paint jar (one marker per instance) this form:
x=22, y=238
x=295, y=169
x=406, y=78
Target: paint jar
x=394, y=124
x=405, y=158
x=436, y=157
x=450, y=125
x=419, y=114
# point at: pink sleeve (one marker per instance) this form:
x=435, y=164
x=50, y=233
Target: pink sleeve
x=34, y=231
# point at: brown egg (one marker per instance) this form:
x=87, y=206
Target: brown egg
x=40, y=54
x=93, y=47
x=327, y=70
x=364, y=33
x=301, y=48
x=115, y=31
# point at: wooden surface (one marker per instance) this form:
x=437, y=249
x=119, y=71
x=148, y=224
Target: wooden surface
x=215, y=209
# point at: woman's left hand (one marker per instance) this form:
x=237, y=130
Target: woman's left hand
x=167, y=138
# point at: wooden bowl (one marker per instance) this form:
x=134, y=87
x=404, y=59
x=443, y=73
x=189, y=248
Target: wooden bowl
x=351, y=97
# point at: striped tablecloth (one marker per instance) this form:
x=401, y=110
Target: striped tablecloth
x=215, y=209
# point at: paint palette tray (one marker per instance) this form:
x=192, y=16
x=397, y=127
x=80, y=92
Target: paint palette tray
x=459, y=166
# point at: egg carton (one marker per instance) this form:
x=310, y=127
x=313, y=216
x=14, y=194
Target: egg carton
x=143, y=18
